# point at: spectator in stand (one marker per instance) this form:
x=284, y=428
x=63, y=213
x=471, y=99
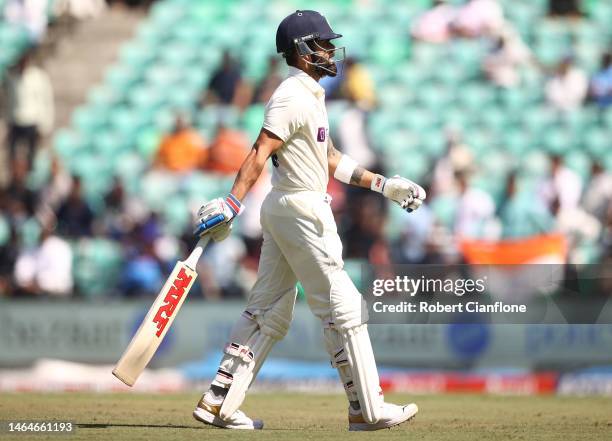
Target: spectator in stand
x=142, y=272
x=475, y=215
x=18, y=190
x=479, y=18
x=434, y=26
x=226, y=85
x=182, y=150
x=598, y=195
x=269, y=83
x=457, y=158
x=358, y=90
x=30, y=107
x=357, y=85
x=46, y=269
x=122, y=212
x=562, y=184
x=503, y=65
x=9, y=245
x=415, y=242
x=564, y=8
x=568, y=87
x=363, y=224
x=227, y=151
x=74, y=216
x=601, y=83
x=580, y=228
x=31, y=14
x=54, y=192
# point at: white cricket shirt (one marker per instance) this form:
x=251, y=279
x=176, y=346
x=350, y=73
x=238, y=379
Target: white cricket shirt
x=296, y=114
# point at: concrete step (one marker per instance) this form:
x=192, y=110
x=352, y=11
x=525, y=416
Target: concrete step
x=81, y=57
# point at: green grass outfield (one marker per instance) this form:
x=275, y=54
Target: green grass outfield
x=126, y=416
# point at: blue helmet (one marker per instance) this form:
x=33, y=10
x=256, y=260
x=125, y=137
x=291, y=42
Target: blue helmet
x=300, y=27
x=302, y=31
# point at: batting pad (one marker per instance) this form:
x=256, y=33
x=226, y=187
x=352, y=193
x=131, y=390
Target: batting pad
x=360, y=356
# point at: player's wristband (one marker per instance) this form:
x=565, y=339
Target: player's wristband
x=344, y=170
x=234, y=204
x=378, y=183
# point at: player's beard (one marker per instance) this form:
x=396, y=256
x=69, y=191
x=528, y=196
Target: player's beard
x=327, y=67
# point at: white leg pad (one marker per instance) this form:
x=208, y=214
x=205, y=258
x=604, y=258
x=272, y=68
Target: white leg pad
x=339, y=360
x=242, y=361
x=365, y=375
x=348, y=318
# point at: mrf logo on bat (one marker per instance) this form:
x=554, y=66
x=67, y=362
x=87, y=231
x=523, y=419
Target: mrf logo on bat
x=171, y=300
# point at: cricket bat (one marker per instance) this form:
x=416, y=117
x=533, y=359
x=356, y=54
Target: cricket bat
x=158, y=320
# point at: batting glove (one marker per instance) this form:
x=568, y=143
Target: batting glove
x=215, y=217
x=407, y=194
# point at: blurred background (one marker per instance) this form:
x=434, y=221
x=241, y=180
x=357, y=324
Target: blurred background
x=121, y=118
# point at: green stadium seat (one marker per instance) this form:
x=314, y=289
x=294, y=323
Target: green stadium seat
x=176, y=215
x=68, y=142
x=516, y=142
x=94, y=257
x=597, y=142
x=252, y=120
x=148, y=143
x=121, y=79
x=157, y=189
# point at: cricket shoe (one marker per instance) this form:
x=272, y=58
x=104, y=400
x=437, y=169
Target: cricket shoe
x=209, y=414
x=392, y=416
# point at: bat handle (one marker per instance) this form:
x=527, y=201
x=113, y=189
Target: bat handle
x=193, y=258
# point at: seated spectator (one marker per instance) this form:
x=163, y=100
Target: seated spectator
x=54, y=192
x=18, y=190
x=363, y=224
x=479, y=18
x=142, y=273
x=580, y=228
x=269, y=83
x=434, y=26
x=357, y=85
x=46, y=269
x=122, y=212
x=598, y=195
x=226, y=85
x=502, y=66
x=457, y=158
x=415, y=244
x=182, y=150
x=227, y=151
x=562, y=184
x=475, y=215
x=567, y=88
x=30, y=107
x=564, y=8
x=9, y=249
x=31, y=14
x=74, y=216
x=601, y=83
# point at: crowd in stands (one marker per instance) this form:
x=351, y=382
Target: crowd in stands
x=47, y=235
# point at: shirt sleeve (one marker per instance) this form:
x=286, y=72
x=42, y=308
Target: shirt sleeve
x=282, y=116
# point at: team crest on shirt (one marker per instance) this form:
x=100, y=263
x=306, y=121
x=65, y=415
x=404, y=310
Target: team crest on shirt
x=321, y=134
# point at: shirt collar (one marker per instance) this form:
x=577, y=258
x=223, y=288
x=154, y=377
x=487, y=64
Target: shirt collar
x=307, y=81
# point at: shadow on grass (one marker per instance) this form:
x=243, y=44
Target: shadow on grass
x=135, y=426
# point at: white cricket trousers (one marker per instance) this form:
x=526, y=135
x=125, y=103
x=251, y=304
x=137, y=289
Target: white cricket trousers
x=300, y=242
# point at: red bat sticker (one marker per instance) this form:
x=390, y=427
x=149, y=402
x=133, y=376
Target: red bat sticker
x=176, y=292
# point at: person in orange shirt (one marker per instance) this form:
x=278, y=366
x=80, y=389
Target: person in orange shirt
x=183, y=149
x=227, y=151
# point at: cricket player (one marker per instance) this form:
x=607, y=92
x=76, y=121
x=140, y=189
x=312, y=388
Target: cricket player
x=300, y=241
